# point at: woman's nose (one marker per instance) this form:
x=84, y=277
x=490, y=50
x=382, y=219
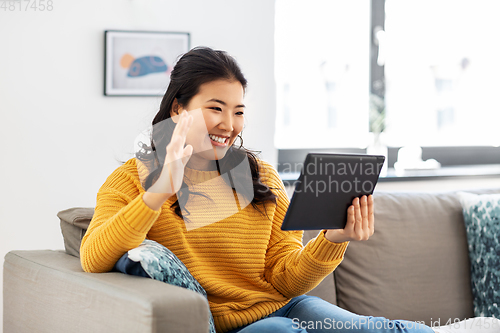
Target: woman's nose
x=226, y=123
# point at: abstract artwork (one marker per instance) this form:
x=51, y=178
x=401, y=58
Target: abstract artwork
x=138, y=63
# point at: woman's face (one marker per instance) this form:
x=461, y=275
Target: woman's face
x=218, y=118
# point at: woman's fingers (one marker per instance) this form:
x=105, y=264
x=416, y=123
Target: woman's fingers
x=179, y=134
x=179, y=122
x=359, y=218
x=182, y=127
x=351, y=220
x=360, y=222
x=188, y=151
x=364, y=212
x=363, y=227
x=371, y=214
x=186, y=123
x=177, y=156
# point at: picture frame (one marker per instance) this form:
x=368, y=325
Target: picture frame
x=138, y=63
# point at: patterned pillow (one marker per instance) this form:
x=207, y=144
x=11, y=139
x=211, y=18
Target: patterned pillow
x=482, y=223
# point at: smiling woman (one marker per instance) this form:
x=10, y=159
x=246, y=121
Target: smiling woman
x=210, y=85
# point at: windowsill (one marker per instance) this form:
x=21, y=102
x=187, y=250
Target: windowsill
x=457, y=171
x=447, y=172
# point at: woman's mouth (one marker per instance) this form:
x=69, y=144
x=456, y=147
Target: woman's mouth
x=220, y=141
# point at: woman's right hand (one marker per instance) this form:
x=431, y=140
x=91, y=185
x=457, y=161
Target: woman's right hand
x=170, y=180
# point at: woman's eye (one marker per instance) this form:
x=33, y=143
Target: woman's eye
x=240, y=113
x=216, y=108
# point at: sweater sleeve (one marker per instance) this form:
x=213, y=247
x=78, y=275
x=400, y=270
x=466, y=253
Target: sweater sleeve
x=121, y=220
x=292, y=268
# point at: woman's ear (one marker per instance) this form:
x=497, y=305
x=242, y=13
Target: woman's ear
x=174, y=111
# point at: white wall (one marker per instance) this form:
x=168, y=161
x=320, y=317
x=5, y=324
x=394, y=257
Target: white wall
x=60, y=136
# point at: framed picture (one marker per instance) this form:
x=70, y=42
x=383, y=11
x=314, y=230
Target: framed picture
x=138, y=63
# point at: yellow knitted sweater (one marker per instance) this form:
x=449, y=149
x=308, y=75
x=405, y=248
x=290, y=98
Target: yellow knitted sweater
x=248, y=266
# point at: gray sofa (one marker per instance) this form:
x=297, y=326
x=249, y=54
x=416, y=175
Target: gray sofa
x=415, y=267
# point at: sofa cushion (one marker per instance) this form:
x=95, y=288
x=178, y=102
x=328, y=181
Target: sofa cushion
x=482, y=224
x=415, y=266
x=74, y=224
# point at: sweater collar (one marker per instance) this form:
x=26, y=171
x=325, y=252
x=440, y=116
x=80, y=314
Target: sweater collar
x=199, y=176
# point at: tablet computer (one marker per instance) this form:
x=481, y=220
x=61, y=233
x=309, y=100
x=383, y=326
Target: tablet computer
x=326, y=187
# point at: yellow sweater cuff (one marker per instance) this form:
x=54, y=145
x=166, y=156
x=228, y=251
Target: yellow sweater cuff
x=324, y=250
x=139, y=216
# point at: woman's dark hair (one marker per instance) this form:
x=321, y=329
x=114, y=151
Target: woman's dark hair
x=196, y=67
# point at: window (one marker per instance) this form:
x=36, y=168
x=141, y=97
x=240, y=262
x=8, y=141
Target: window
x=442, y=72
x=424, y=71
x=322, y=73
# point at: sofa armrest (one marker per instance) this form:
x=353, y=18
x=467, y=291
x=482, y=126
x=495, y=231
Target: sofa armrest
x=47, y=291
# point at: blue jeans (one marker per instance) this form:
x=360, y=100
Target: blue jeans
x=310, y=314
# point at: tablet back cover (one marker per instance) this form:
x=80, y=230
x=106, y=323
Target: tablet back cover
x=326, y=187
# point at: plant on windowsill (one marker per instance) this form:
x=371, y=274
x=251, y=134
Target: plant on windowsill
x=377, y=126
x=377, y=114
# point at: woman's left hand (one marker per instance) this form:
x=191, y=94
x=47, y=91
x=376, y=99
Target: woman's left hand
x=360, y=222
